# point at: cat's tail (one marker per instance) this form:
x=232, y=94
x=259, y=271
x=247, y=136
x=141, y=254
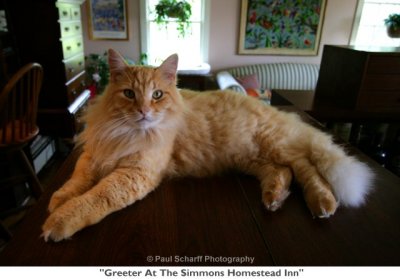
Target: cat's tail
x=350, y=179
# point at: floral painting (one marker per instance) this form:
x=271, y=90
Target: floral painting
x=290, y=27
x=108, y=19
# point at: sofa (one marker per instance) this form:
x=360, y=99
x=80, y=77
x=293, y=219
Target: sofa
x=289, y=76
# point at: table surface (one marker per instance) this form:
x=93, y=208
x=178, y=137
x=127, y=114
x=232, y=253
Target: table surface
x=305, y=101
x=220, y=216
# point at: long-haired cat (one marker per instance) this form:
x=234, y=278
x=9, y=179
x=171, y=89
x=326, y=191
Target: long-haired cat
x=143, y=129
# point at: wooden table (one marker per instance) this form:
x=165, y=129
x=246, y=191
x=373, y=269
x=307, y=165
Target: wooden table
x=221, y=217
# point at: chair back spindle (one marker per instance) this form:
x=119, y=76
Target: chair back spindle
x=18, y=105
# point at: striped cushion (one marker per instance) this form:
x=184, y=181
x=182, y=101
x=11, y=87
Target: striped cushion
x=290, y=76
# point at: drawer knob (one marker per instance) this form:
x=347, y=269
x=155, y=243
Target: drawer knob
x=66, y=29
x=80, y=63
x=76, y=27
x=78, y=44
x=76, y=13
x=68, y=47
x=65, y=13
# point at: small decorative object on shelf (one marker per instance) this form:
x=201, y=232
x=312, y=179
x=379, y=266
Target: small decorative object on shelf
x=97, y=70
x=178, y=10
x=392, y=23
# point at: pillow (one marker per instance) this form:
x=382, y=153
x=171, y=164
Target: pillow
x=250, y=81
x=262, y=94
x=253, y=88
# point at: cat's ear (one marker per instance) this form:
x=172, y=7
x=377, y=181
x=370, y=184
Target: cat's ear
x=169, y=67
x=115, y=61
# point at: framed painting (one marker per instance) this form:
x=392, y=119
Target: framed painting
x=282, y=27
x=107, y=19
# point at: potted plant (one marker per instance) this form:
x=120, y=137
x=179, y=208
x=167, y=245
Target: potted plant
x=178, y=10
x=392, y=23
x=97, y=70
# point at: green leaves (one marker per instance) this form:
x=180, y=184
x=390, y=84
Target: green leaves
x=393, y=21
x=97, y=67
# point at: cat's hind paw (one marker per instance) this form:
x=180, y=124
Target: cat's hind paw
x=273, y=200
x=324, y=206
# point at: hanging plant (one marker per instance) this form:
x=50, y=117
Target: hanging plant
x=178, y=10
x=392, y=23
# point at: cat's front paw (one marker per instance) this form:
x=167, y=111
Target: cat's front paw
x=58, y=199
x=57, y=228
x=64, y=221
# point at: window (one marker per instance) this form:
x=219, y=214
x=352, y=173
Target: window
x=160, y=41
x=369, y=28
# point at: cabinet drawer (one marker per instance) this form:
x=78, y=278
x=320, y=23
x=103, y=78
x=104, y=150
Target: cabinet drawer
x=72, y=46
x=384, y=64
x=74, y=66
x=64, y=11
x=70, y=28
x=67, y=11
x=75, y=12
x=76, y=87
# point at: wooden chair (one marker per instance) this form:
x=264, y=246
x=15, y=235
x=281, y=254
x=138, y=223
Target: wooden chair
x=18, y=111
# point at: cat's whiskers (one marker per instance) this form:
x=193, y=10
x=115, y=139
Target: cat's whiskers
x=111, y=129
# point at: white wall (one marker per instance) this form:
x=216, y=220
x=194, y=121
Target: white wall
x=224, y=34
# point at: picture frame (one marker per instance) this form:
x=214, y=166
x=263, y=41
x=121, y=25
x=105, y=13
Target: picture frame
x=108, y=20
x=289, y=28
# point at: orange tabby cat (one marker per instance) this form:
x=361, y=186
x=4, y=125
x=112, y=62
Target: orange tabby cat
x=143, y=129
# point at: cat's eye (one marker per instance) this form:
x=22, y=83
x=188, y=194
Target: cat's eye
x=129, y=93
x=157, y=94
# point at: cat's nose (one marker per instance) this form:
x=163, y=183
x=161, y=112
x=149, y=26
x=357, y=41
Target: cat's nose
x=144, y=110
